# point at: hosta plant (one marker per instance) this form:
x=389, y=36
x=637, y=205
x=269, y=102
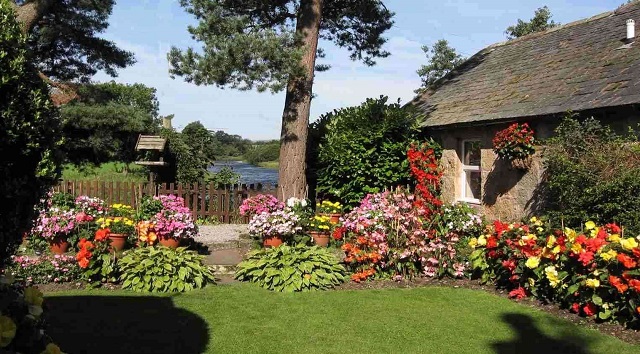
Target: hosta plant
x=292, y=268
x=161, y=269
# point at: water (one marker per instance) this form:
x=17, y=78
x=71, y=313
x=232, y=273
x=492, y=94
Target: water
x=248, y=173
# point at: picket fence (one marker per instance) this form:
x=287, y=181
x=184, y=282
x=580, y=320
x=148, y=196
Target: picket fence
x=204, y=200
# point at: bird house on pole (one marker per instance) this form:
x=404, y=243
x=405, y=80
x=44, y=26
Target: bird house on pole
x=155, y=145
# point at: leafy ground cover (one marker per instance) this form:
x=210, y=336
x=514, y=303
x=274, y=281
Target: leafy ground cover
x=242, y=318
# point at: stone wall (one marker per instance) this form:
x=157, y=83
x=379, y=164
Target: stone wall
x=506, y=193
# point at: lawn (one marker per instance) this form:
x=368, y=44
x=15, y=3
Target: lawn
x=241, y=318
x=107, y=172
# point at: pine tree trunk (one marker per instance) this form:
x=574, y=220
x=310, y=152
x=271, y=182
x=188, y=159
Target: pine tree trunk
x=295, y=118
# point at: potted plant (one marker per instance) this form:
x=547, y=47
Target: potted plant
x=55, y=225
x=147, y=232
x=516, y=144
x=320, y=229
x=274, y=227
x=332, y=210
x=120, y=229
x=259, y=204
x=174, y=222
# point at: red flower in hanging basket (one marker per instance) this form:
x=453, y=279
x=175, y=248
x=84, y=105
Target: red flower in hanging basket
x=515, y=142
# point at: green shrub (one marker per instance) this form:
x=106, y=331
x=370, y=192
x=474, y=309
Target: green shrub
x=29, y=135
x=161, y=269
x=592, y=174
x=292, y=268
x=269, y=151
x=361, y=150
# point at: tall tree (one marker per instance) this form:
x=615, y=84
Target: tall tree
x=104, y=122
x=541, y=21
x=442, y=59
x=273, y=45
x=64, y=38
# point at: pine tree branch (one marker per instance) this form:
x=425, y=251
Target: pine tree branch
x=30, y=12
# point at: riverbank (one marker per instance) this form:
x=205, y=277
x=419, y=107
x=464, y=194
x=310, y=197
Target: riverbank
x=249, y=174
x=269, y=164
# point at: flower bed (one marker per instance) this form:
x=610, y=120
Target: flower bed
x=593, y=272
x=44, y=269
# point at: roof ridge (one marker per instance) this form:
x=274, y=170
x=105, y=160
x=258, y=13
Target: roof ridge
x=561, y=27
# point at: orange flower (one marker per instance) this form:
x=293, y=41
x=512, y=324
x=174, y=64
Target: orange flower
x=626, y=261
x=617, y=282
x=638, y=310
x=83, y=263
x=635, y=284
x=102, y=234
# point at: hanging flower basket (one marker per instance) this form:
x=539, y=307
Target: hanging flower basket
x=522, y=164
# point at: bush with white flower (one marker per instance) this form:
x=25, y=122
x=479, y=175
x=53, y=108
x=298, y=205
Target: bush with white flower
x=277, y=223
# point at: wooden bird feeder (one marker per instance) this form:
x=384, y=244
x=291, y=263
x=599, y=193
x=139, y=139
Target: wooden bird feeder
x=152, y=143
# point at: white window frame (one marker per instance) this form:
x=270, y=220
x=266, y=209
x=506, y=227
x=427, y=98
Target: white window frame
x=463, y=174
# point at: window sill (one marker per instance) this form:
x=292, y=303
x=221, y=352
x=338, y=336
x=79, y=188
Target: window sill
x=470, y=201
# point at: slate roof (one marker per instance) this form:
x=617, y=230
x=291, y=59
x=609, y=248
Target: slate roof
x=577, y=66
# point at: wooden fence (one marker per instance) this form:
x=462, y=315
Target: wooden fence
x=204, y=200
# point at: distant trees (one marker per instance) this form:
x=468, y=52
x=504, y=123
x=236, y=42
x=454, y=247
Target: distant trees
x=442, y=60
x=263, y=151
x=104, y=122
x=541, y=21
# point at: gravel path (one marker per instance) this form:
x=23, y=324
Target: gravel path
x=210, y=234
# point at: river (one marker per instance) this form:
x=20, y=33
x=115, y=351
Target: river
x=248, y=173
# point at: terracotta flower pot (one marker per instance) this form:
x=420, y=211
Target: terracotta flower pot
x=333, y=218
x=118, y=241
x=273, y=241
x=59, y=245
x=320, y=238
x=169, y=242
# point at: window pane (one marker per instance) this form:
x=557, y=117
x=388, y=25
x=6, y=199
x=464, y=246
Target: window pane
x=473, y=185
x=472, y=153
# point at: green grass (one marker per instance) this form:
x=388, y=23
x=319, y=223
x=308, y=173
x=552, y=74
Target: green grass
x=242, y=318
x=111, y=171
x=269, y=164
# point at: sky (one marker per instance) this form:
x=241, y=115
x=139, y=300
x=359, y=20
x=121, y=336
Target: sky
x=149, y=28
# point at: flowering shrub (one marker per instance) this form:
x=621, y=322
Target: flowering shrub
x=388, y=235
x=96, y=259
x=174, y=220
x=117, y=225
x=91, y=206
x=43, y=269
x=593, y=272
x=462, y=219
x=424, y=166
x=515, y=142
x=54, y=223
x=259, y=204
x=121, y=210
x=277, y=223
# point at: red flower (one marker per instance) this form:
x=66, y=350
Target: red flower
x=575, y=308
x=102, y=234
x=83, y=263
x=586, y=258
x=613, y=228
x=636, y=252
x=492, y=242
x=618, y=284
x=594, y=244
x=590, y=309
x=635, y=284
x=510, y=264
x=518, y=293
x=338, y=233
x=602, y=234
x=626, y=261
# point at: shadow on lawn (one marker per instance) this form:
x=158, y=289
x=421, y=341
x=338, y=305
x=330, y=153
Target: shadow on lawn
x=529, y=339
x=124, y=324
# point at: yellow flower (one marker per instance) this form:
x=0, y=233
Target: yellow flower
x=576, y=248
x=615, y=238
x=532, y=262
x=7, y=331
x=531, y=281
x=556, y=249
x=629, y=243
x=609, y=255
x=33, y=296
x=52, y=349
x=482, y=241
x=571, y=234
x=533, y=219
x=592, y=283
x=473, y=242
x=551, y=241
x=590, y=225
x=552, y=276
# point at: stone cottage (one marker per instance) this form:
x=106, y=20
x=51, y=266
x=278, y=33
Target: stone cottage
x=590, y=67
